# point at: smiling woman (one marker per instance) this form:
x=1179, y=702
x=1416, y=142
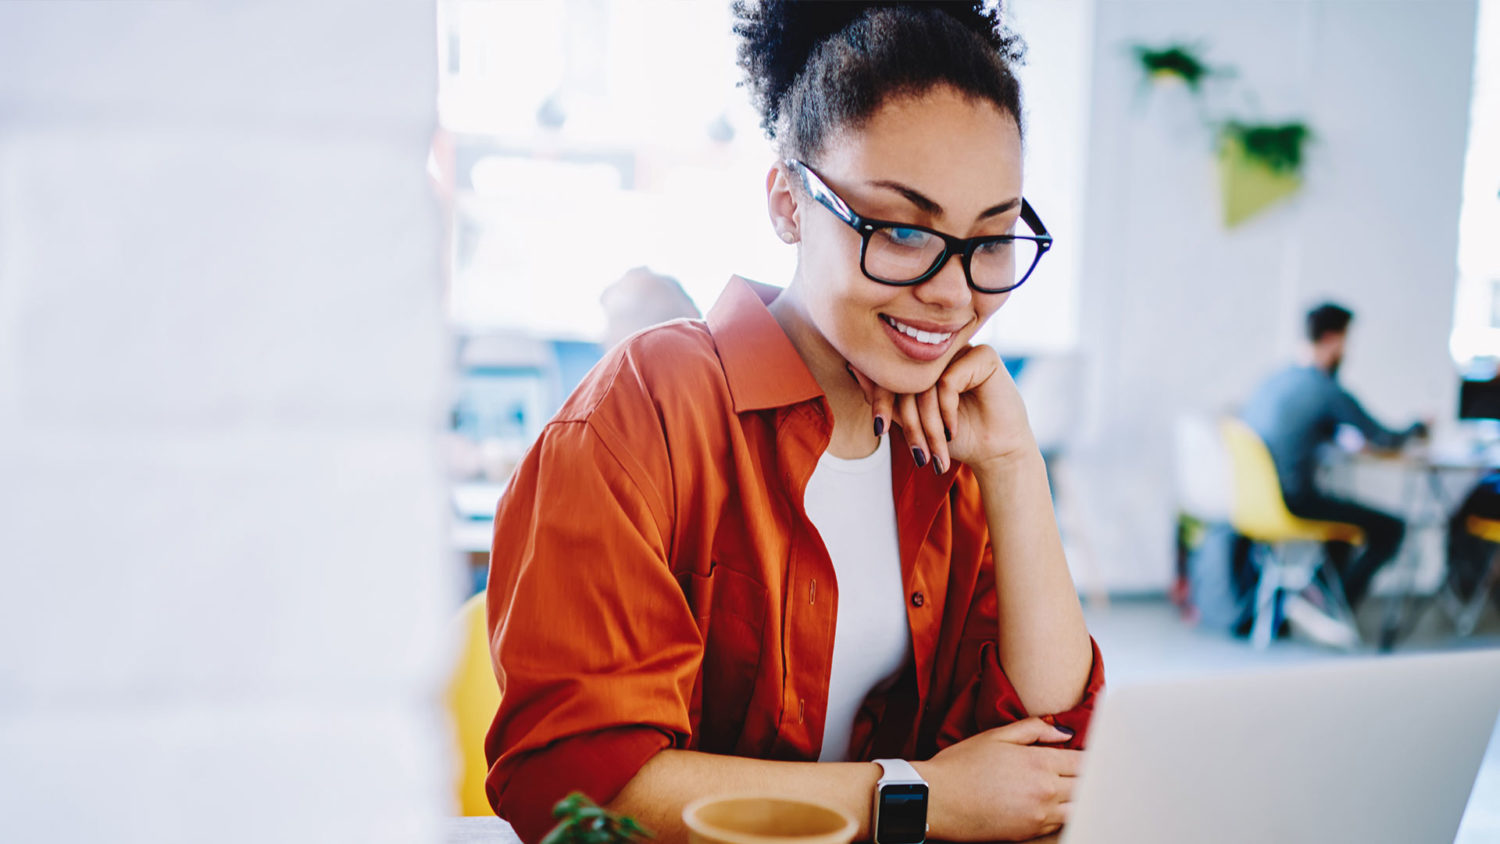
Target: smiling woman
x=809, y=539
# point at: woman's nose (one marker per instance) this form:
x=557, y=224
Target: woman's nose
x=948, y=288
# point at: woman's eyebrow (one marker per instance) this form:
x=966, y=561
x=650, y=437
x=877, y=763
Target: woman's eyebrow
x=930, y=207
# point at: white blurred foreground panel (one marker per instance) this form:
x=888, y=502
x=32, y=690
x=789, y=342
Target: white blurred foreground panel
x=221, y=369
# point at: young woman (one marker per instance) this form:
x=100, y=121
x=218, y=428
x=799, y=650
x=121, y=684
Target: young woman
x=756, y=552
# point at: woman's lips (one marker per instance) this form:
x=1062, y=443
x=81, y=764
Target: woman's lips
x=923, y=341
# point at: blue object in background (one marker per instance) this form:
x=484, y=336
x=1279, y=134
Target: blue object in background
x=574, y=360
x=507, y=403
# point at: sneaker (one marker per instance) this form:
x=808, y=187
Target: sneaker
x=1318, y=626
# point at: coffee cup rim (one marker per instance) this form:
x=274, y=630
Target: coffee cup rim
x=846, y=832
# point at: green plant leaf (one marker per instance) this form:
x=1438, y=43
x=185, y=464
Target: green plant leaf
x=582, y=821
x=1277, y=146
x=1174, y=60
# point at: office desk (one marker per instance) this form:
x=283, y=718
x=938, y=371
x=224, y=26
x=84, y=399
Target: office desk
x=1420, y=484
x=1432, y=478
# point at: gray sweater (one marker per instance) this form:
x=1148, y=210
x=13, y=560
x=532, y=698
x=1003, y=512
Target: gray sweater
x=1296, y=411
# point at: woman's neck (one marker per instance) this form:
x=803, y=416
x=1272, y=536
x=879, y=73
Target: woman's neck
x=853, y=423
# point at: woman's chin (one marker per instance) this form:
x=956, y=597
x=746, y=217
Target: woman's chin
x=907, y=379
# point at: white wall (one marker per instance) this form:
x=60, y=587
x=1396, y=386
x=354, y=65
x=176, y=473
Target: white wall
x=1042, y=317
x=221, y=365
x=1179, y=314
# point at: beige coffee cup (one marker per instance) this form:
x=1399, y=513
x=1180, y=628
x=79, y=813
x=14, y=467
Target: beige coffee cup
x=750, y=819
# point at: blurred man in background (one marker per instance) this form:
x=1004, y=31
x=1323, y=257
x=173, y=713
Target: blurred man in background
x=1296, y=412
x=640, y=299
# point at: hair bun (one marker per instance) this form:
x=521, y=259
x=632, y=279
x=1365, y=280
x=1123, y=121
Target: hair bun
x=777, y=37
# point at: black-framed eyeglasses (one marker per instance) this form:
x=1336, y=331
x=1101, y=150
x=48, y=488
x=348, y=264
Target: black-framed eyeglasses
x=904, y=254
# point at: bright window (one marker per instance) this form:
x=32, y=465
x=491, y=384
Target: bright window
x=585, y=137
x=1476, y=311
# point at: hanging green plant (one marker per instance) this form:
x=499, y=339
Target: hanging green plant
x=1277, y=146
x=1259, y=166
x=582, y=821
x=1174, y=61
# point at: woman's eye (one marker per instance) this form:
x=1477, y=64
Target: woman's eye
x=995, y=247
x=906, y=237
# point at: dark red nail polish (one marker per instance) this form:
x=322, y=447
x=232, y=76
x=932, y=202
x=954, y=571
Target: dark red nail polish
x=879, y=426
x=947, y=433
x=937, y=468
x=917, y=455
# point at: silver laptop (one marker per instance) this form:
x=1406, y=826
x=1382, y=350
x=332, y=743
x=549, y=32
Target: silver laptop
x=1369, y=750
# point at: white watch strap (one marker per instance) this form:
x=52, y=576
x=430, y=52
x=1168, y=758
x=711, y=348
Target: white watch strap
x=898, y=770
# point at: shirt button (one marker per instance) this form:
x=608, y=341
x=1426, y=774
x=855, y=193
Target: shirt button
x=918, y=599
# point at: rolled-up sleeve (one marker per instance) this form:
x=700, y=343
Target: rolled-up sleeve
x=989, y=700
x=595, y=648
x=984, y=697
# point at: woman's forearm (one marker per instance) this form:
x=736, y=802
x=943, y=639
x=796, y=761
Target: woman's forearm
x=674, y=778
x=1044, y=643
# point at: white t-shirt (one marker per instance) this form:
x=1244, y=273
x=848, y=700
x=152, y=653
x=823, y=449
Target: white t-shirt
x=851, y=504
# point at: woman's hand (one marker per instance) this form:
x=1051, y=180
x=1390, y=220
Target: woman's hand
x=1000, y=786
x=973, y=413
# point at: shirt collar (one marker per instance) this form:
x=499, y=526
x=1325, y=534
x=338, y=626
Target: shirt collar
x=760, y=362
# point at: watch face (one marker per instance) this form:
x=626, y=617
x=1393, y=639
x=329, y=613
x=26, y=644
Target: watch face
x=903, y=814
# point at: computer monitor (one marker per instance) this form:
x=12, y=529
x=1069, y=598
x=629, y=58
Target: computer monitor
x=1479, y=399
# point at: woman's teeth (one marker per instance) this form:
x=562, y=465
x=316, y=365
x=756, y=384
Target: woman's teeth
x=928, y=337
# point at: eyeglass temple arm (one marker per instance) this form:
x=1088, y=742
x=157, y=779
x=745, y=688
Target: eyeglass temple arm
x=829, y=200
x=823, y=194
x=1029, y=217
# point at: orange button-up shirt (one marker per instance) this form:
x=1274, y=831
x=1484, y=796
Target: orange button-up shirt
x=655, y=582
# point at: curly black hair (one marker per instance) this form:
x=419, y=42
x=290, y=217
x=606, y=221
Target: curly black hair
x=816, y=67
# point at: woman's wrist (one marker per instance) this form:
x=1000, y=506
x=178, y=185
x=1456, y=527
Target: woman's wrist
x=1023, y=457
x=937, y=830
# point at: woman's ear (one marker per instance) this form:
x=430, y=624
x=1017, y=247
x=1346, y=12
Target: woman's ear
x=781, y=203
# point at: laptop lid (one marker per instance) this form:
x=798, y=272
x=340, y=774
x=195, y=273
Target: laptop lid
x=1374, y=750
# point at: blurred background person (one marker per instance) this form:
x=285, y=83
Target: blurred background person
x=640, y=299
x=1297, y=412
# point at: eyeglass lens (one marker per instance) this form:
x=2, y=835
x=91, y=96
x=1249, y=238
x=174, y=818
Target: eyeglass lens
x=900, y=255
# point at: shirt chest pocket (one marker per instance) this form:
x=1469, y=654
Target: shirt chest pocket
x=730, y=610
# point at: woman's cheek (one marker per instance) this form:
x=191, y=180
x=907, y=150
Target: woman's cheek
x=990, y=308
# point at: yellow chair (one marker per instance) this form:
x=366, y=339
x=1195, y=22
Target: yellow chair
x=1467, y=617
x=472, y=697
x=1258, y=512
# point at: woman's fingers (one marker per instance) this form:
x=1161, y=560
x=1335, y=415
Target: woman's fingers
x=884, y=408
x=972, y=366
x=882, y=401
x=948, y=400
x=933, y=429
x=1063, y=762
x=911, y=424
x=1028, y=731
x=865, y=385
x=968, y=370
x=1064, y=796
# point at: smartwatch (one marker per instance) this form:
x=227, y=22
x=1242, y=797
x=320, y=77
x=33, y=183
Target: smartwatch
x=900, y=812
